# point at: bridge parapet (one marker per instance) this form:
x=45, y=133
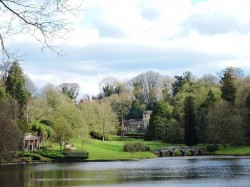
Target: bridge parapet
x=171, y=150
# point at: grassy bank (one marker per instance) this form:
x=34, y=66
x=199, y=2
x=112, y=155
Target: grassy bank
x=113, y=150
x=233, y=150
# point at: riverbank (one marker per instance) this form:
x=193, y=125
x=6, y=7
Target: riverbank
x=99, y=151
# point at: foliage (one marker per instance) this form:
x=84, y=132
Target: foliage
x=228, y=88
x=98, y=135
x=212, y=147
x=225, y=124
x=15, y=87
x=136, y=110
x=10, y=138
x=158, y=121
x=54, y=155
x=174, y=132
x=111, y=85
x=8, y=109
x=41, y=130
x=190, y=136
x=135, y=147
x=99, y=117
x=70, y=89
x=180, y=81
x=31, y=156
x=147, y=87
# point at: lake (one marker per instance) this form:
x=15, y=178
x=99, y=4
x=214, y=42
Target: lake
x=168, y=171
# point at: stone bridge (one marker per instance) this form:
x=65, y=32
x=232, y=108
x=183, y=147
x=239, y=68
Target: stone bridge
x=171, y=151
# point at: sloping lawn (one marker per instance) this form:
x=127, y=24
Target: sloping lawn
x=110, y=150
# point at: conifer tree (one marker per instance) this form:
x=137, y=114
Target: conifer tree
x=15, y=87
x=228, y=88
x=190, y=137
x=158, y=121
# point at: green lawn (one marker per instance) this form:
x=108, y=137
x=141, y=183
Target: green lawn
x=113, y=150
x=233, y=150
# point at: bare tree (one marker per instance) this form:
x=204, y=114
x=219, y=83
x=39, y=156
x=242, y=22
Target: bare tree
x=44, y=20
x=70, y=89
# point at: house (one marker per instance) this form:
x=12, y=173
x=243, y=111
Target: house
x=137, y=125
x=31, y=142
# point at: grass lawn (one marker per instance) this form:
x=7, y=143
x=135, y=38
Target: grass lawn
x=113, y=150
x=233, y=150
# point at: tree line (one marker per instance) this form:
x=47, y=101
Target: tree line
x=185, y=108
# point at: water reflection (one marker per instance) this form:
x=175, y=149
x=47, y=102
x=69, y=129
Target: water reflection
x=175, y=171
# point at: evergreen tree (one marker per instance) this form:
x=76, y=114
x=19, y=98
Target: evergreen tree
x=210, y=100
x=228, y=88
x=247, y=107
x=190, y=137
x=158, y=121
x=15, y=87
x=136, y=110
x=177, y=86
x=202, y=116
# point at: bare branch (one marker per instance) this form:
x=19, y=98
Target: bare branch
x=45, y=20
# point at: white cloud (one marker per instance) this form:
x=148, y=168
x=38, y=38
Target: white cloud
x=124, y=38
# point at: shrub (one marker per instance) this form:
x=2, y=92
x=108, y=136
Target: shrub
x=135, y=147
x=26, y=159
x=31, y=156
x=98, y=135
x=212, y=147
x=53, y=154
x=75, y=155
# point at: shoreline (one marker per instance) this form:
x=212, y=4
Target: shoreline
x=129, y=160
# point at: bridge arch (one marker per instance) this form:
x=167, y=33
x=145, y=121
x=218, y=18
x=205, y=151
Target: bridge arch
x=192, y=151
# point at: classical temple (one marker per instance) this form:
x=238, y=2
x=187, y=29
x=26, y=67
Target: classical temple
x=31, y=142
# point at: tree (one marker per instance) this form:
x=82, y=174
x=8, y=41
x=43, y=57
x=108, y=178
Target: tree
x=178, y=84
x=174, y=132
x=228, y=88
x=10, y=138
x=111, y=85
x=8, y=109
x=158, y=122
x=136, y=110
x=121, y=105
x=190, y=136
x=147, y=86
x=225, y=124
x=15, y=87
x=247, y=116
x=41, y=130
x=166, y=88
x=39, y=109
x=44, y=20
x=70, y=89
x=138, y=91
x=100, y=118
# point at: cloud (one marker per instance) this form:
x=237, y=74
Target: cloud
x=124, y=38
x=219, y=17
x=150, y=14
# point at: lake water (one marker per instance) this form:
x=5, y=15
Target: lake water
x=168, y=171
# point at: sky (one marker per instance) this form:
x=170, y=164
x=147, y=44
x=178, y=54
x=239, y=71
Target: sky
x=123, y=38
